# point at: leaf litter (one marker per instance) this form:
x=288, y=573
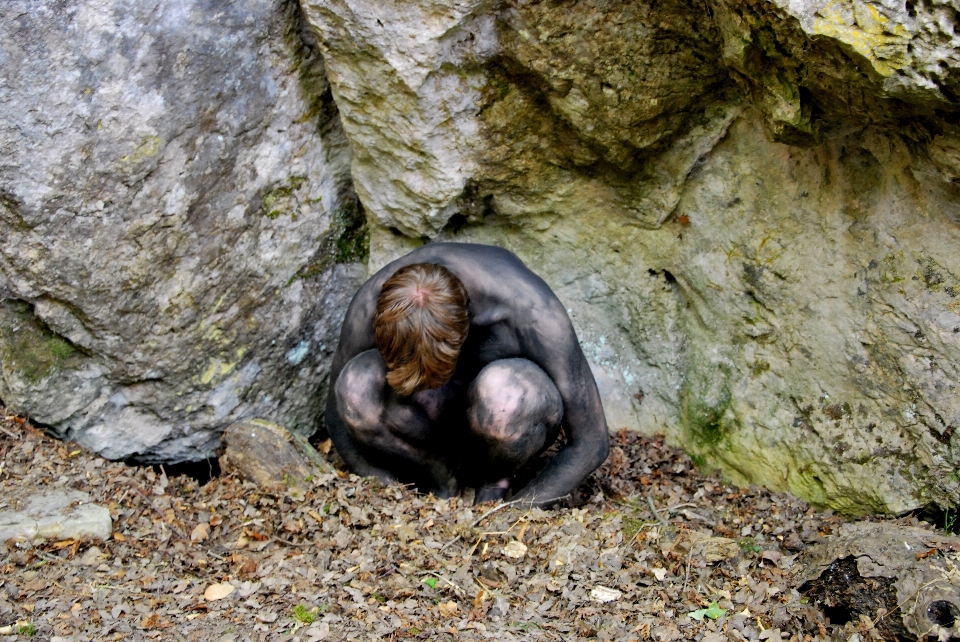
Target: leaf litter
x=648, y=548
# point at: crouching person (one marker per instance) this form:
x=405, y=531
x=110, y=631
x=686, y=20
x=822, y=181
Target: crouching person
x=456, y=365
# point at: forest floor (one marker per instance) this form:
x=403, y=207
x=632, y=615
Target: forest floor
x=648, y=549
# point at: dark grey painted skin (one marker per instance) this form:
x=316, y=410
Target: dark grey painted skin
x=521, y=377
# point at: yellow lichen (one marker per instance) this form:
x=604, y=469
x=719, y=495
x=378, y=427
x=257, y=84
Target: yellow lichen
x=219, y=368
x=870, y=34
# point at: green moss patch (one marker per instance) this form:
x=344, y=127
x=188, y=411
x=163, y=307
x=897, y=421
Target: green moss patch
x=348, y=241
x=28, y=347
x=282, y=200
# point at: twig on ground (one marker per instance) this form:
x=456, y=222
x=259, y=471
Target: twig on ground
x=653, y=509
x=289, y=542
x=9, y=434
x=483, y=517
x=441, y=577
x=915, y=594
x=686, y=574
x=637, y=534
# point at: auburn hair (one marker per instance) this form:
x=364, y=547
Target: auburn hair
x=419, y=326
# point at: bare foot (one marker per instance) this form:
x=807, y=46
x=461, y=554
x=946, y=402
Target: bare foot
x=493, y=491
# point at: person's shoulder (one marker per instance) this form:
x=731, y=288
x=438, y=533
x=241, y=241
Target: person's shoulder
x=449, y=249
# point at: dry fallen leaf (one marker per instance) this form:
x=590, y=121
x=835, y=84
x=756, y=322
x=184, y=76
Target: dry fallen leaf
x=200, y=533
x=218, y=591
x=317, y=632
x=248, y=588
x=268, y=617
x=180, y=586
x=604, y=594
x=383, y=568
x=448, y=609
x=515, y=550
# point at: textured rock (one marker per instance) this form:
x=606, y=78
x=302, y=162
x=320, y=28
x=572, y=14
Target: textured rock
x=749, y=209
x=270, y=455
x=56, y=515
x=179, y=232
x=911, y=572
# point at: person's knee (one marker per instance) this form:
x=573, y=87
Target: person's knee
x=359, y=393
x=511, y=398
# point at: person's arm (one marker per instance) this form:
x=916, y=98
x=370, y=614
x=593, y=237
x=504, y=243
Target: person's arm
x=356, y=336
x=554, y=347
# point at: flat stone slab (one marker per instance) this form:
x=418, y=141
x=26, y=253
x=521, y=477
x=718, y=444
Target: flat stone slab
x=56, y=515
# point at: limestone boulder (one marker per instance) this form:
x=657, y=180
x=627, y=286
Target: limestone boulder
x=180, y=235
x=749, y=208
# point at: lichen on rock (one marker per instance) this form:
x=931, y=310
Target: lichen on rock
x=748, y=209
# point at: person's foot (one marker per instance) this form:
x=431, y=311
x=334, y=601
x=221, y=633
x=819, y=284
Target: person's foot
x=493, y=491
x=446, y=492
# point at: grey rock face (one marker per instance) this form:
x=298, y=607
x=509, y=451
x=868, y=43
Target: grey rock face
x=749, y=209
x=179, y=232
x=56, y=515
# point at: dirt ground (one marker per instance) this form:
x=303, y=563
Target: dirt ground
x=648, y=549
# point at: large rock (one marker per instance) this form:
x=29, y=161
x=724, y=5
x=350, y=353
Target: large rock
x=180, y=236
x=749, y=208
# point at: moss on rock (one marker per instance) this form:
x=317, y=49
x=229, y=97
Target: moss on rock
x=28, y=348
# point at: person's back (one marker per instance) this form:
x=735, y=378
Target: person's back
x=456, y=365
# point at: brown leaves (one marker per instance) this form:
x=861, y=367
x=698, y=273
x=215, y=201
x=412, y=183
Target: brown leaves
x=448, y=609
x=366, y=559
x=153, y=621
x=218, y=591
x=200, y=532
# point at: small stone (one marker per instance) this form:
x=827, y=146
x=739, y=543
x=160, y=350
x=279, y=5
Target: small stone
x=604, y=594
x=271, y=456
x=515, y=550
x=91, y=557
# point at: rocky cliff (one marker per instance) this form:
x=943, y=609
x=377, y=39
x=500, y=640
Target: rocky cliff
x=749, y=208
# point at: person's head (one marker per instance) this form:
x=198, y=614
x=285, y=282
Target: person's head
x=420, y=323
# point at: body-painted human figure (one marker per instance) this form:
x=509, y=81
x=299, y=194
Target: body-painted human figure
x=456, y=365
